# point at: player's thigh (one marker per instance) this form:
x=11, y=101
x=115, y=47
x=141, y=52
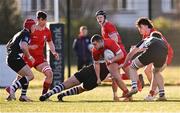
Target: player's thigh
x=137, y=63
x=90, y=84
x=26, y=71
x=70, y=82
x=145, y=58
x=126, y=69
x=113, y=69
x=149, y=67
x=159, y=69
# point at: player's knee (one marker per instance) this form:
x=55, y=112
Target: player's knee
x=147, y=71
x=47, y=70
x=30, y=77
x=156, y=70
x=134, y=66
x=49, y=74
x=115, y=78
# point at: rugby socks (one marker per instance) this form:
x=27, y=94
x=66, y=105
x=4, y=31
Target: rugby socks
x=134, y=85
x=72, y=91
x=125, y=92
x=152, y=93
x=58, y=88
x=24, y=89
x=46, y=86
x=161, y=93
x=124, y=76
x=20, y=83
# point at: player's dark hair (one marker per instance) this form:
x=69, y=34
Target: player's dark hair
x=96, y=37
x=156, y=34
x=144, y=21
x=41, y=14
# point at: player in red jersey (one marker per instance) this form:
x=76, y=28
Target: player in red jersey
x=100, y=45
x=108, y=30
x=146, y=28
x=40, y=35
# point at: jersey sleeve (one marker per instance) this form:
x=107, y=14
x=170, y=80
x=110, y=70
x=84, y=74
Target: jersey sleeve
x=115, y=48
x=49, y=36
x=95, y=54
x=111, y=29
x=140, y=44
x=26, y=37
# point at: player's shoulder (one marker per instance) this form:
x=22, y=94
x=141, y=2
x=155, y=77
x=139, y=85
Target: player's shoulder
x=108, y=41
x=25, y=32
x=47, y=29
x=108, y=23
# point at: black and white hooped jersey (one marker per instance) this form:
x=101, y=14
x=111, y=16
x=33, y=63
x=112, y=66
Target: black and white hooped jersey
x=14, y=45
x=147, y=42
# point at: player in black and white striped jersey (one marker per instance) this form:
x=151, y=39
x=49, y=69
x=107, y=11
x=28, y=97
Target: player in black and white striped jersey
x=154, y=51
x=16, y=46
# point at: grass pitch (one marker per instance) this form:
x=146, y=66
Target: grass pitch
x=97, y=100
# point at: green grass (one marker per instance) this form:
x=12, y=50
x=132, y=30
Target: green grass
x=97, y=100
x=170, y=74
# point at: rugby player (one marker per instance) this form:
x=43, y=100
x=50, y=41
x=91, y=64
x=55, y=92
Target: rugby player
x=146, y=28
x=108, y=30
x=40, y=35
x=155, y=51
x=100, y=45
x=15, y=47
x=83, y=80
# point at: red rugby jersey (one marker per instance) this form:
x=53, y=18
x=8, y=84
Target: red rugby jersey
x=39, y=37
x=111, y=45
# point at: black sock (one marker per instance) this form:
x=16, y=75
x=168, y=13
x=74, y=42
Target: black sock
x=19, y=83
x=24, y=89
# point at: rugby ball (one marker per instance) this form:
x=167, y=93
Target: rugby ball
x=108, y=54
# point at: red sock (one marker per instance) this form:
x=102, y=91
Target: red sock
x=151, y=92
x=124, y=76
x=46, y=86
x=125, y=92
x=139, y=86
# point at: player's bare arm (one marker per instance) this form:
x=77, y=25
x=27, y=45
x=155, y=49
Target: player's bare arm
x=25, y=49
x=119, y=55
x=52, y=49
x=132, y=53
x=97, y=70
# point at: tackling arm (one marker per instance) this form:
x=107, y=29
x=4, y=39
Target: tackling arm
x=97, y=70
x=25, y=49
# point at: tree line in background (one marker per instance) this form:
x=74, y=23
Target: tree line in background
x=10, y=20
